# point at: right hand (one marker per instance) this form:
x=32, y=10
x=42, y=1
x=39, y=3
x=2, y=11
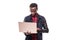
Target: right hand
x=27, y=33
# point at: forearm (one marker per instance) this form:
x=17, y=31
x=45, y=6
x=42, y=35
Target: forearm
x=43, y=30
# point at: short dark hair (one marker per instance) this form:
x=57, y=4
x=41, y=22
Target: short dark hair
x=33, y=5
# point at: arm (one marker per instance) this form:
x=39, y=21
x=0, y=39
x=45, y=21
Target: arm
x=45, y=27
x=27, y=33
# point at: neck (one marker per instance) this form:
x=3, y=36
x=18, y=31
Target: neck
x=34, y=14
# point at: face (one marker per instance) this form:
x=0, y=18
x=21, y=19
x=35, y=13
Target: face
x=33, y=10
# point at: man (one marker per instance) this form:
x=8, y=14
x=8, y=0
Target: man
x=41, y=23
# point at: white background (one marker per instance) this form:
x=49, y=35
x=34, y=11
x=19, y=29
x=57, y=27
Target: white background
x=14, y=11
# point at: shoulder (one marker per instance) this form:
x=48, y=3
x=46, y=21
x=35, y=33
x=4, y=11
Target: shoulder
x=41, y=16
x=27, y=17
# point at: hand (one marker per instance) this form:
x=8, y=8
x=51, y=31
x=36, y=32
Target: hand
x=38, y=29
x=27, y=33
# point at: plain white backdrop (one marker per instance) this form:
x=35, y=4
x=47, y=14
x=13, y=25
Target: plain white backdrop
x=14, y=11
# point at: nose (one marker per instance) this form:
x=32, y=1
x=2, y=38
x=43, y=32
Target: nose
x=33, y=8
